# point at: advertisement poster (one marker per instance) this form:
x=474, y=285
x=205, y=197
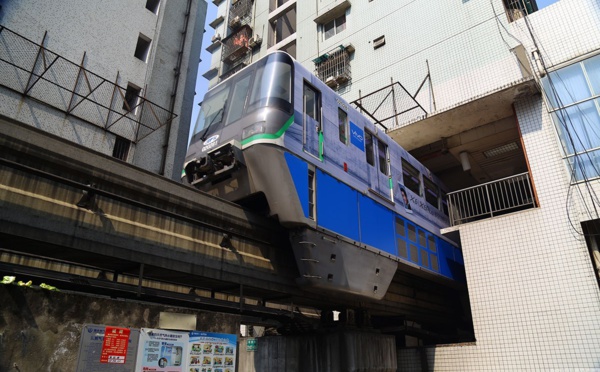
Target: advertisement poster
x=162, y=351
x=211, y=352
x=114, y=346
x=92, y=345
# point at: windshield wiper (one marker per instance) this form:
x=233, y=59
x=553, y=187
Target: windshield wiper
x=220, y=112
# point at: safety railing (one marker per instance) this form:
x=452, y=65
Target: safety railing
x=236, y=45
x=240, y=13
x=38, y=73
x=491, y=199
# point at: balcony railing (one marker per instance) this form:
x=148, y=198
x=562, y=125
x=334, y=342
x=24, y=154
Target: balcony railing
x=240, y=13
x=334, y=68
x=38, y=73
x=236, y=45
x=491, y=199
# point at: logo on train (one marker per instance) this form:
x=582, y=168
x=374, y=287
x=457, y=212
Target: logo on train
x=357, y=137
x=210, y=142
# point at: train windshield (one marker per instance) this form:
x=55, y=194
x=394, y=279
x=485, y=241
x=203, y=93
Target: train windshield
x=267, y=83
x=212, y=110
x=272, y=85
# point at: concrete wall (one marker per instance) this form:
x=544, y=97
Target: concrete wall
x=329, y=351
x=40, y=330
x=108, y=32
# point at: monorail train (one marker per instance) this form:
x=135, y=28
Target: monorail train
x=356, y=204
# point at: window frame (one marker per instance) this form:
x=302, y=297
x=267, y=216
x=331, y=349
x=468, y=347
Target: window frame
x=417, y=175
x=335, y=27
x=586, y=103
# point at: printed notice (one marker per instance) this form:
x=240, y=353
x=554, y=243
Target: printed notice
x=114, y=346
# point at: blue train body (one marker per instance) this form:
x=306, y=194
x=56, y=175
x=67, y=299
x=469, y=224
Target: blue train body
x=357, y=205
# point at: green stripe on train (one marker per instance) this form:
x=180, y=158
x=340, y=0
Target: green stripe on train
x=276, y=135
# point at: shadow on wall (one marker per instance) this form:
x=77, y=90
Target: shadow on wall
x=3, y=7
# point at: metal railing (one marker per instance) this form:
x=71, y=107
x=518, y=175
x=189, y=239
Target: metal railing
x=236, y=45
x=491, y=199
x=240, y=13
x=334, y=68
x=38, y=73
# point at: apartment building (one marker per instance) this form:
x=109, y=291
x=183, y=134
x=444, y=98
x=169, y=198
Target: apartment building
x=114, y=76
x=501, y=100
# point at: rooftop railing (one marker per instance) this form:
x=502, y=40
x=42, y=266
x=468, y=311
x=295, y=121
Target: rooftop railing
x=491, y=199
x=38, y=73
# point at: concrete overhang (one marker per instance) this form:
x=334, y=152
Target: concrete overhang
x=463, y=116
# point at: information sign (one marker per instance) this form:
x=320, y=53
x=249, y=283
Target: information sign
x=114, y=346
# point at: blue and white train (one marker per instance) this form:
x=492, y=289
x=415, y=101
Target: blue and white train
x=357, y=206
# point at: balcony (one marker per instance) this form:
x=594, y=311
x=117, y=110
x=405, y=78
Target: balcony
x=333, y=68
x=37, y=73
x=492, y=199
x=236, y=45
x=240, y=13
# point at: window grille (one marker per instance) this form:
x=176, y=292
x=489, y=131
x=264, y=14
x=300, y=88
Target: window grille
x=235, y=46
x=240, y=13
x=517, y=9
x=334, y=68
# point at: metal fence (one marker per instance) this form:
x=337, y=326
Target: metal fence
x=334, y=68
x=36, y=72
x=491, y=199
x=236, y=45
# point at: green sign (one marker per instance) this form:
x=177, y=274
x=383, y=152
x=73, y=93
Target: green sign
x=250, y=344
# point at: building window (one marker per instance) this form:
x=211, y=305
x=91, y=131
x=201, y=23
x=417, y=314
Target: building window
x=121, y=149
x=132, y=95
x=343, y=126
x=142, y=48
x=282, y=27
x=334, y=27
x=411, y=177
x=152, y=5
x=573, y=95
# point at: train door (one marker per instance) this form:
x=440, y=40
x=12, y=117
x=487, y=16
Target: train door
x=378, y=165
x=312, y=121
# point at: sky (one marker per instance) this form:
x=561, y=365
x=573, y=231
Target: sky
x=201, y=82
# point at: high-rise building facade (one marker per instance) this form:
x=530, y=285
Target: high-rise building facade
x=117, y=77
x=501, y=100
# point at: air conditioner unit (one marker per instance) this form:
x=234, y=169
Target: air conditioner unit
x=215, y=38
x=235, y=22
x=255, y=41
x=330, y=82
x=234, y=1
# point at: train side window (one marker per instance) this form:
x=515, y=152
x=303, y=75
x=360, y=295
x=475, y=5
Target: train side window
x=431, y=243
x=311, y=102
x=369, y=148
x=238, y=100
x=400, y=227
x=432, y=192
x=422, y=239
x=382, y=154
x=412, y=232
x=444, y=203
x=343, y=126
x=411, y=177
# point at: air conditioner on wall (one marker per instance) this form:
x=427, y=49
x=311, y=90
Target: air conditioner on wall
x=215, y=38
x=235, y=22
x=254, y=41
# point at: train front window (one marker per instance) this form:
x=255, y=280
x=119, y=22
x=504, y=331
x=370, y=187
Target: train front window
x=272, y=85
x=238, y=99
x=212, y=110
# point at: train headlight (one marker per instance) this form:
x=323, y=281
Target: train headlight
x=256, y=128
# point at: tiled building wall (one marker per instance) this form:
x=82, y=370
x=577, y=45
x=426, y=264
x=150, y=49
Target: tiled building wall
x=534, y=297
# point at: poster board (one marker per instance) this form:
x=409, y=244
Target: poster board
x=90, y=351
x=212, y=352
x=161, y=350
